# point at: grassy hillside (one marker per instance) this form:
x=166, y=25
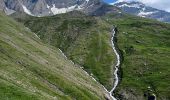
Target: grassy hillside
x=84, y=39
x=145, y=45
x=32, y=70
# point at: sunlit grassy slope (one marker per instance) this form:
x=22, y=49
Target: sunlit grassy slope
x=32, y=70
x=84, y=39
x=145, y=45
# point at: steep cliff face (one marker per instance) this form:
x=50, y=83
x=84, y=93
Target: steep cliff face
x=52, y=7
x=2, y=5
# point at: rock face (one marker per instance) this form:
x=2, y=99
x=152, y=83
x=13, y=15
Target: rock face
x=139, y=9
x=52, y=7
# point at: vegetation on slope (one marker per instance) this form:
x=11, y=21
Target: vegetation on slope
x=145, y=45
x=84, y=39
x=31, y=70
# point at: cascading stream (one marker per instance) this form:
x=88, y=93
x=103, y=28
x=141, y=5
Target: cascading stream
x=116, y=66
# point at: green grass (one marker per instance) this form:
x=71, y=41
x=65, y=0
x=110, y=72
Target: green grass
x=144, y=43
x=146, y=50
x=13, y=92
x=84, y=39
x=32, y=70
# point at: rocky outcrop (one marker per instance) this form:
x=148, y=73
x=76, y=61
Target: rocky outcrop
x=142, y=10
x=53, y=7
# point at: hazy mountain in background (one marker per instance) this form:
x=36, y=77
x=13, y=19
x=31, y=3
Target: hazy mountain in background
x=140, y=9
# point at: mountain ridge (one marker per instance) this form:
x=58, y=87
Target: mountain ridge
x=52, y=7
x=143, y=43
x=142, y=10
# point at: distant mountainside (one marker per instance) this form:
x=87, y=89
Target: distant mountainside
x=140, y=9
x=53, y=7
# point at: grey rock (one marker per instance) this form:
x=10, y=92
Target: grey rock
x=2, y=5
x=140, y=9
x=52, y=7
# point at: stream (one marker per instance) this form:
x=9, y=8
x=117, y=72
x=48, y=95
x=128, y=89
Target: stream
x=116, y=66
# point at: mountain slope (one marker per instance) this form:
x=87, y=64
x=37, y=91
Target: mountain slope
x=52, y=7
x=32, y=70
x=78, y=36
x=143, y=43
x=140, y=9
x=145, y=47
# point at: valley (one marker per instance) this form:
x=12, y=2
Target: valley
x=78, y=36
x=117, y=66
x=30, y=69
x=136, y=39
x=83, y=50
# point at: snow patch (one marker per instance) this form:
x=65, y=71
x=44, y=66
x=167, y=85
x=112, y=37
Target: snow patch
x=130, y=6
x=9, y=11
x=87, y=1
x=79, y=7
x=48, y=6
x=144, y=14
x=62, y=10
x=26, y=10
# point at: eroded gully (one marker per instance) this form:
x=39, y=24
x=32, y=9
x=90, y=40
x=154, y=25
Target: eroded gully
x=116, y=66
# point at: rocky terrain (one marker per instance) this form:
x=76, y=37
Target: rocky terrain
x=52, y=7
x=140, y=9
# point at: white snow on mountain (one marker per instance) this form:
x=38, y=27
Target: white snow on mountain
x=9, y=11
x=48, y=6
x=56, y=10
x=142, y=10
x=87, y=1
x=26, y=10
x=126, y=5
x=42, y=8
x=158, y=4
x=144, y=14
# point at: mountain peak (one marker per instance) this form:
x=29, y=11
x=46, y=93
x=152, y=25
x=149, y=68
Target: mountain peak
x=43, y=7
x=142, y=10
x=50, y=7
